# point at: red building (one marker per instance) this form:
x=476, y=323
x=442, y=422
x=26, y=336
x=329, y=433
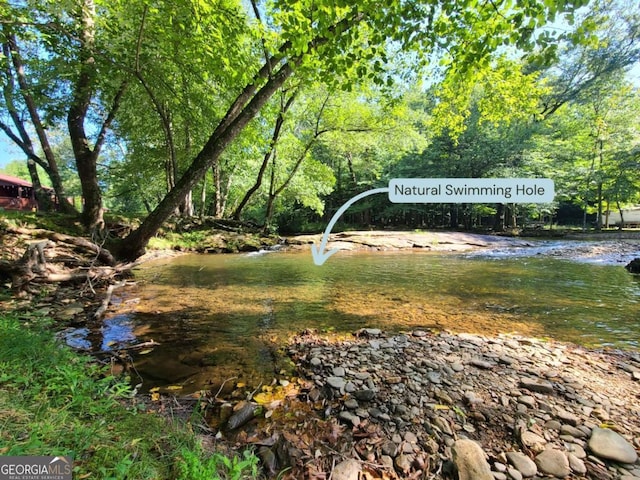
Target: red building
x=16, y=194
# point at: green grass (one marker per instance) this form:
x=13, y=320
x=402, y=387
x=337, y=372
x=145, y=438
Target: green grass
x=54, y=401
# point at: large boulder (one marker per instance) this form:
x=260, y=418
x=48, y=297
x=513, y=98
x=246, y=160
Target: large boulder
x=633, y=266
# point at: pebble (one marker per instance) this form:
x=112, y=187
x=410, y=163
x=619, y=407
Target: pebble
x=389, y=448
x=347, y=470
x=514, y=474
x=351, y=404
x=339, y=372
x=532, y=440
x=372, y=332
x=576, y=464
x=572, y=431
x=536, y=385
x=364, y=395
x=527, y=400
x=457, y=367
x=478, y=362
x=349, y=417
x=403, y=463
x=336, y=382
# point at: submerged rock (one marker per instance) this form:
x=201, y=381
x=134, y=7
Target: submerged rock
x=242, y=416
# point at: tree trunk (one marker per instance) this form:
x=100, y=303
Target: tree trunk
x=275, y=136
x=42, y=197
x=621, y=226
x=217, y=208
x=84, y=156
x=244, y=108
x=11, y=49
x=352, y=173
x=134, y=244
x=203, y=197
x=87, y=158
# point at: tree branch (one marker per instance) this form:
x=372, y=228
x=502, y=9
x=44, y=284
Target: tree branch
x=28, y=99
x=267, y=59
x=115, y=105
x=275, y=136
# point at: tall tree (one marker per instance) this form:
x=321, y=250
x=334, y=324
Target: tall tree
x=58, y=57
x=612, y=46
x=328, y=40
x=180, y=80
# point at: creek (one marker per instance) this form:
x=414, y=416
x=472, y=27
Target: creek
x=224, y=316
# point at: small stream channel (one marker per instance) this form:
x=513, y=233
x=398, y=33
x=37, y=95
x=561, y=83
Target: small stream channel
x=222, y=316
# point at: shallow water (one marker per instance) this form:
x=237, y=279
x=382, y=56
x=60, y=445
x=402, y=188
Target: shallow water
x=220, y=316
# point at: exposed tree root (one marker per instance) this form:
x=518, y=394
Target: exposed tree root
x=103, y=255
x=52, y=257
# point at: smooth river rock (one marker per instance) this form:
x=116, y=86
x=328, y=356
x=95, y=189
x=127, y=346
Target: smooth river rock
x=606, y=443
x=470, y=461
x=522, y=463
x=336, y=382
x=553, y=462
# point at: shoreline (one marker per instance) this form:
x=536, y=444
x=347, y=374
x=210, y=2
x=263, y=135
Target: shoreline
x=473, y=386
x=611, y=248
x=401, y=406
x=408, y=240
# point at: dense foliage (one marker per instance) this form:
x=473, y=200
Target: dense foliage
x=279, y=112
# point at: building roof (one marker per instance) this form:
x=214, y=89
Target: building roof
x=9, y=180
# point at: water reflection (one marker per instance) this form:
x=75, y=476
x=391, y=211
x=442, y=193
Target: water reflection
x=221, y=316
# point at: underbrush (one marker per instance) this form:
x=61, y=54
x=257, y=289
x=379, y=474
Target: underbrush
x=54, y=401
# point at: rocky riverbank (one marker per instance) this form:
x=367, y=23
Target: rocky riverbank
x=437, y=241
x=424, y=405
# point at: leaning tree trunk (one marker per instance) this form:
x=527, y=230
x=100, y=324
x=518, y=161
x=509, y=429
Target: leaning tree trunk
x=134, y=245
x=244, y=108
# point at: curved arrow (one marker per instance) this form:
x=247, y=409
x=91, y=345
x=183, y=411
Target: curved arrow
x=318, y=253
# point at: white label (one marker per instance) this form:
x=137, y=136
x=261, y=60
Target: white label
x=471, y=190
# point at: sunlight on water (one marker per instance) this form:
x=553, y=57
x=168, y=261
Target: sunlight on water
x=222, y=316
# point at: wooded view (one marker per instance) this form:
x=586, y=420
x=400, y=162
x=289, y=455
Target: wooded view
x=442, y=342
x=277, y=113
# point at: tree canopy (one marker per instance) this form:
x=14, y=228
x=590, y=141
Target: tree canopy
x=277, y=112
